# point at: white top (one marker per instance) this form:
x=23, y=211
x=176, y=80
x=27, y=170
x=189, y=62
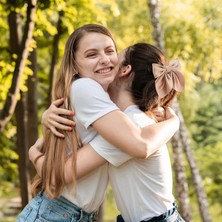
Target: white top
x=90, y=102
x=142, y=188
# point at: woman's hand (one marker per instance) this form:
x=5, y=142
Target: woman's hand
x=159, y=114
x=35, y=149
x=36, y=156
x=53, y=120
x=170, y=113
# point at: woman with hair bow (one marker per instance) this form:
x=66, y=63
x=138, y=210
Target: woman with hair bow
x=142, y=187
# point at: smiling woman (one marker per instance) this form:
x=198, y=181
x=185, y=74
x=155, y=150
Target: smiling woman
x=97, y=59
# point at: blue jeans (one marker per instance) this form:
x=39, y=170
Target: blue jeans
x=171, y=215
x=42, y=209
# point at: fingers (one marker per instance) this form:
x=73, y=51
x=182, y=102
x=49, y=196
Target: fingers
x=54, y=107
x=58, y=102
x=159, y=114
x=57, y=133
x=61, y=123
x=39, y=142
x=158, y=109
x=159, y=118
x=169, y=112
x=61, y=111
x=55, y=118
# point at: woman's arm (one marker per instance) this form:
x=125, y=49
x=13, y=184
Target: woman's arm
x=120, y=131
x=117, y=129
x=36, y=156
x=87, y=160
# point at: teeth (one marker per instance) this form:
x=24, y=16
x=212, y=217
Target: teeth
x=104, y=70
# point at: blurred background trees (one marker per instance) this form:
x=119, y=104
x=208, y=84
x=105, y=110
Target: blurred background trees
x=31, y=51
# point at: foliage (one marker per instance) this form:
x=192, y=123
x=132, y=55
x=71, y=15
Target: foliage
x=210, y=158
x=207, y=129
x=192, y=32
x=8, y=158
x=129, y=25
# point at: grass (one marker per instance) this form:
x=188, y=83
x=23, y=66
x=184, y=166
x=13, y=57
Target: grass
x=5, y=199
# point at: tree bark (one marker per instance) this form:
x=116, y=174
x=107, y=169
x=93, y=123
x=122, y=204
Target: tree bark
x=21, y=139
x=32, y=107
x=21, y=120
x=181, y=179
x=11, y=100
x=180, y=141
x=196, y=177
x=182, y=189
x=158, y=35
x=21, y=108
x=56, y=38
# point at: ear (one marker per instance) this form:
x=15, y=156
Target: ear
x=125, y=70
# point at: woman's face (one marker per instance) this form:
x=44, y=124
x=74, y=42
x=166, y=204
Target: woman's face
x=96, y=58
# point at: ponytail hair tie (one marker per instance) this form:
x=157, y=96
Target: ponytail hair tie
x=168, y=77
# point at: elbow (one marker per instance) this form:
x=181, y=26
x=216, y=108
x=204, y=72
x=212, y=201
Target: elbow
x=144, y=150
x=147, y=149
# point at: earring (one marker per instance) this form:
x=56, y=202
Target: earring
x=75, y=75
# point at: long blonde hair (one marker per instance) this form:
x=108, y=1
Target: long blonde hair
x=56, y=150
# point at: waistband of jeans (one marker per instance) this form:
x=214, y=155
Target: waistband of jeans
x=162, y=216
x=69, y=206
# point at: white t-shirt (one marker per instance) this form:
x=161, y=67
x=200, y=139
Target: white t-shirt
x=90, y=102
x=142, y=187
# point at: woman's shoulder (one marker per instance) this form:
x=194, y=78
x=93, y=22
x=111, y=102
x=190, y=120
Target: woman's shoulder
x=86, y=87
x=87, y=82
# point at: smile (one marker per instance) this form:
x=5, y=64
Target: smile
x=106, y=70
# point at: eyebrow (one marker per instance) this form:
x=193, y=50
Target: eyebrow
x=89, y=50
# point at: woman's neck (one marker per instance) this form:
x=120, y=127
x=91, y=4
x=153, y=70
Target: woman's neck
x=120, y=96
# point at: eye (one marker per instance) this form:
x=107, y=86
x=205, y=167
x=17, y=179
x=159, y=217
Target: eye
x=91, y=55
x=110, y=51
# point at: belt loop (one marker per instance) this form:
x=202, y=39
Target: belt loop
x=81, y=214
x=175, y=205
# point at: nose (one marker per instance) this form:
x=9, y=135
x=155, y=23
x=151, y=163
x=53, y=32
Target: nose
x=104, y=59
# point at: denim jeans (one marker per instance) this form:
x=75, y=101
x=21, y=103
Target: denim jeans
x=171, y=215
x=42, y=209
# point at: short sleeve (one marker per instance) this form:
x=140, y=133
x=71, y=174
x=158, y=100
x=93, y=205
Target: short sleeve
x=90, y=101
x=113, y=155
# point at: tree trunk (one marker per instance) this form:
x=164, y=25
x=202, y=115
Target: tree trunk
x=20, y=111
x=182, y=194
x=55, y=54
x=180, y=173
x=21, y=120
x=154, y=9
x=181, y=179
x=21, y=140
x=32, y=107
x=196, y=177
x=182, y=186
x=11, y=100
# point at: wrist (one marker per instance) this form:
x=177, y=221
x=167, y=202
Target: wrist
x=176, y=121
x=34, y=154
